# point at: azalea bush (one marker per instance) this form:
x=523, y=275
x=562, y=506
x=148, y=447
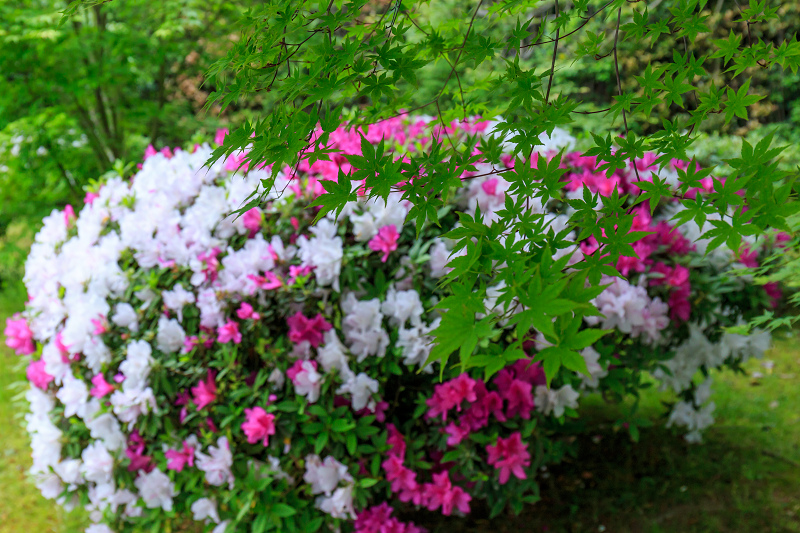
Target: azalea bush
x=276, y=371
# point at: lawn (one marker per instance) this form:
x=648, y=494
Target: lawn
x=744, y=478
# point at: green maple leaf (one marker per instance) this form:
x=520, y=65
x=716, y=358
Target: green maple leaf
x=337, y=194
x=739, y=101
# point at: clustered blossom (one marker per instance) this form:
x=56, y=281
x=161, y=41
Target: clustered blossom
x=189, y=347
x=439, y=494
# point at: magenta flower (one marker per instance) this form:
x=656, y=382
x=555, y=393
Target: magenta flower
x=519, y=396
x=774, y=292
x=37, y=376
x=297, y=272
x=385, y=241
x=210, y=264
x=229, y=332
x=205, y=392
x=90, y=198
x=219, y=137
x=396, y=441
x=69, y=215
x=266, y=282
x=378, y=519
x=101, y=386
x=19, y=336
x=183, y=399
x=679, y=306
x=302, y=328
x=246, y=312
x=509, y=456
x=258, y=426
x=190, y=342
x=149, y=152
x=490, y=186
x=456, y=433
x=135, y=452
x=100, y=325
x=442, y=493
x=252, y=221
x=178, y=459
x=450, y=394
x=401, y=477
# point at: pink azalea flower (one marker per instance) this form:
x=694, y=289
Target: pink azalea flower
x=69, y=215
x=219, y=137
x=258, y=426
x=679, y=306
x=295, y=223
x=190, y=342
x=395, y=441
x=748, y=257
x=246, y=312
x=90, y=198
x=774, y=292
x=442, y=493
x=312, y=330
x=490, y=186
x=205, y=392
x=266, y=282
x=401, y=477
x=519, y=396
x=450, y=394
x=378, y=519
x=210, y=263
x=37, y=376
x=101, y=386
x=149, y=152
x=178, y=459
x=183, y=399
x=100, y=325
x=385, y=241
x=252, y=221
x=229, y=332
x=135, y=452
x=234, y=163
x=62, y=348
x=297, y=272
x=19, y=336
x=509, y=456
x=456, y=433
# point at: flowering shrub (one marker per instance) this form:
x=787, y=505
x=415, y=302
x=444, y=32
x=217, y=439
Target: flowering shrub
x=264, y=372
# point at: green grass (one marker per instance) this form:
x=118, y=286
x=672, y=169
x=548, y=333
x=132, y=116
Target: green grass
x=22, y=508
x=744, y=478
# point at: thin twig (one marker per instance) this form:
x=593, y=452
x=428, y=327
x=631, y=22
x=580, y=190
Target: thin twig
x=553, y=60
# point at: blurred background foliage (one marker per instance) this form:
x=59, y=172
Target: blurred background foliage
x=77, y=97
